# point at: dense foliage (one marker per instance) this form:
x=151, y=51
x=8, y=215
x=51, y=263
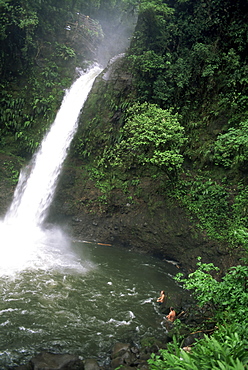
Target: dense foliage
x=228, y=300
x=151, y=136
x=184, y=122
x=188, y=58
x=228, y=297
x=225, y=350
x=41, y=44
x=191, y=51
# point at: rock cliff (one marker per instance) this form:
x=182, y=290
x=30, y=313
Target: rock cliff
x=143, y=217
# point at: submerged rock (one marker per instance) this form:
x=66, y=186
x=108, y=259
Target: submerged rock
x=51, y=361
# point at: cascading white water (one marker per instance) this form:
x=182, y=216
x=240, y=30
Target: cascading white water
x=33, y=195
x=22, y=234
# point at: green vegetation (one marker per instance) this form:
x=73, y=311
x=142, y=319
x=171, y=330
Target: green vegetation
x=231, y=148
x=41, y=44
x=151, y=136
x=188, y=63
x=227, y=297
x=181, y=119
x=228, y=300
x=192, y=52
x=225, y=350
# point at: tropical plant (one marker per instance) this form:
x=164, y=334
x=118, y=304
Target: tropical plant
x=231, y=148
x=208, y=200
x=151, y=136
x=224, y=350
x=228, y=298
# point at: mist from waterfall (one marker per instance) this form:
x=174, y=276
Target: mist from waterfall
x=25, y=242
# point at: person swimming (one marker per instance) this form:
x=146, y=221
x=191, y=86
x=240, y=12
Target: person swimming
x=161, y=299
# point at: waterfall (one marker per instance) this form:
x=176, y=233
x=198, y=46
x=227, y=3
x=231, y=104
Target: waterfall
x=35, y=190
x=22, y=230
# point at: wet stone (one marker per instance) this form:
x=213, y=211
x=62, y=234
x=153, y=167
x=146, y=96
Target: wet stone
x=51, y=361
x=91, y=364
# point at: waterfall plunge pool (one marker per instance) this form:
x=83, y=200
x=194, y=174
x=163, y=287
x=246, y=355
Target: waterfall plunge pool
x=83, y=311
x=68, y=297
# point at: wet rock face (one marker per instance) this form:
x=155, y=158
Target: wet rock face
x=149, y=222
x=155, y=226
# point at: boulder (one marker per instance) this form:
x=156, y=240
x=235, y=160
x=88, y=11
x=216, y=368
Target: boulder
x=52, y=361
x=123, y=355
x=119, y=348
x=91, y=364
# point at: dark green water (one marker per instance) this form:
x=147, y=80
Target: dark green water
x=83, y=311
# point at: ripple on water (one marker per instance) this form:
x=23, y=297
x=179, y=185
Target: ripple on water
x=83, y=313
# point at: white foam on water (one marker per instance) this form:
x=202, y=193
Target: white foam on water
x=38, y=249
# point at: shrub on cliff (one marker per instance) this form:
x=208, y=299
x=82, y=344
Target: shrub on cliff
x=227, y=298
x=151, y=137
